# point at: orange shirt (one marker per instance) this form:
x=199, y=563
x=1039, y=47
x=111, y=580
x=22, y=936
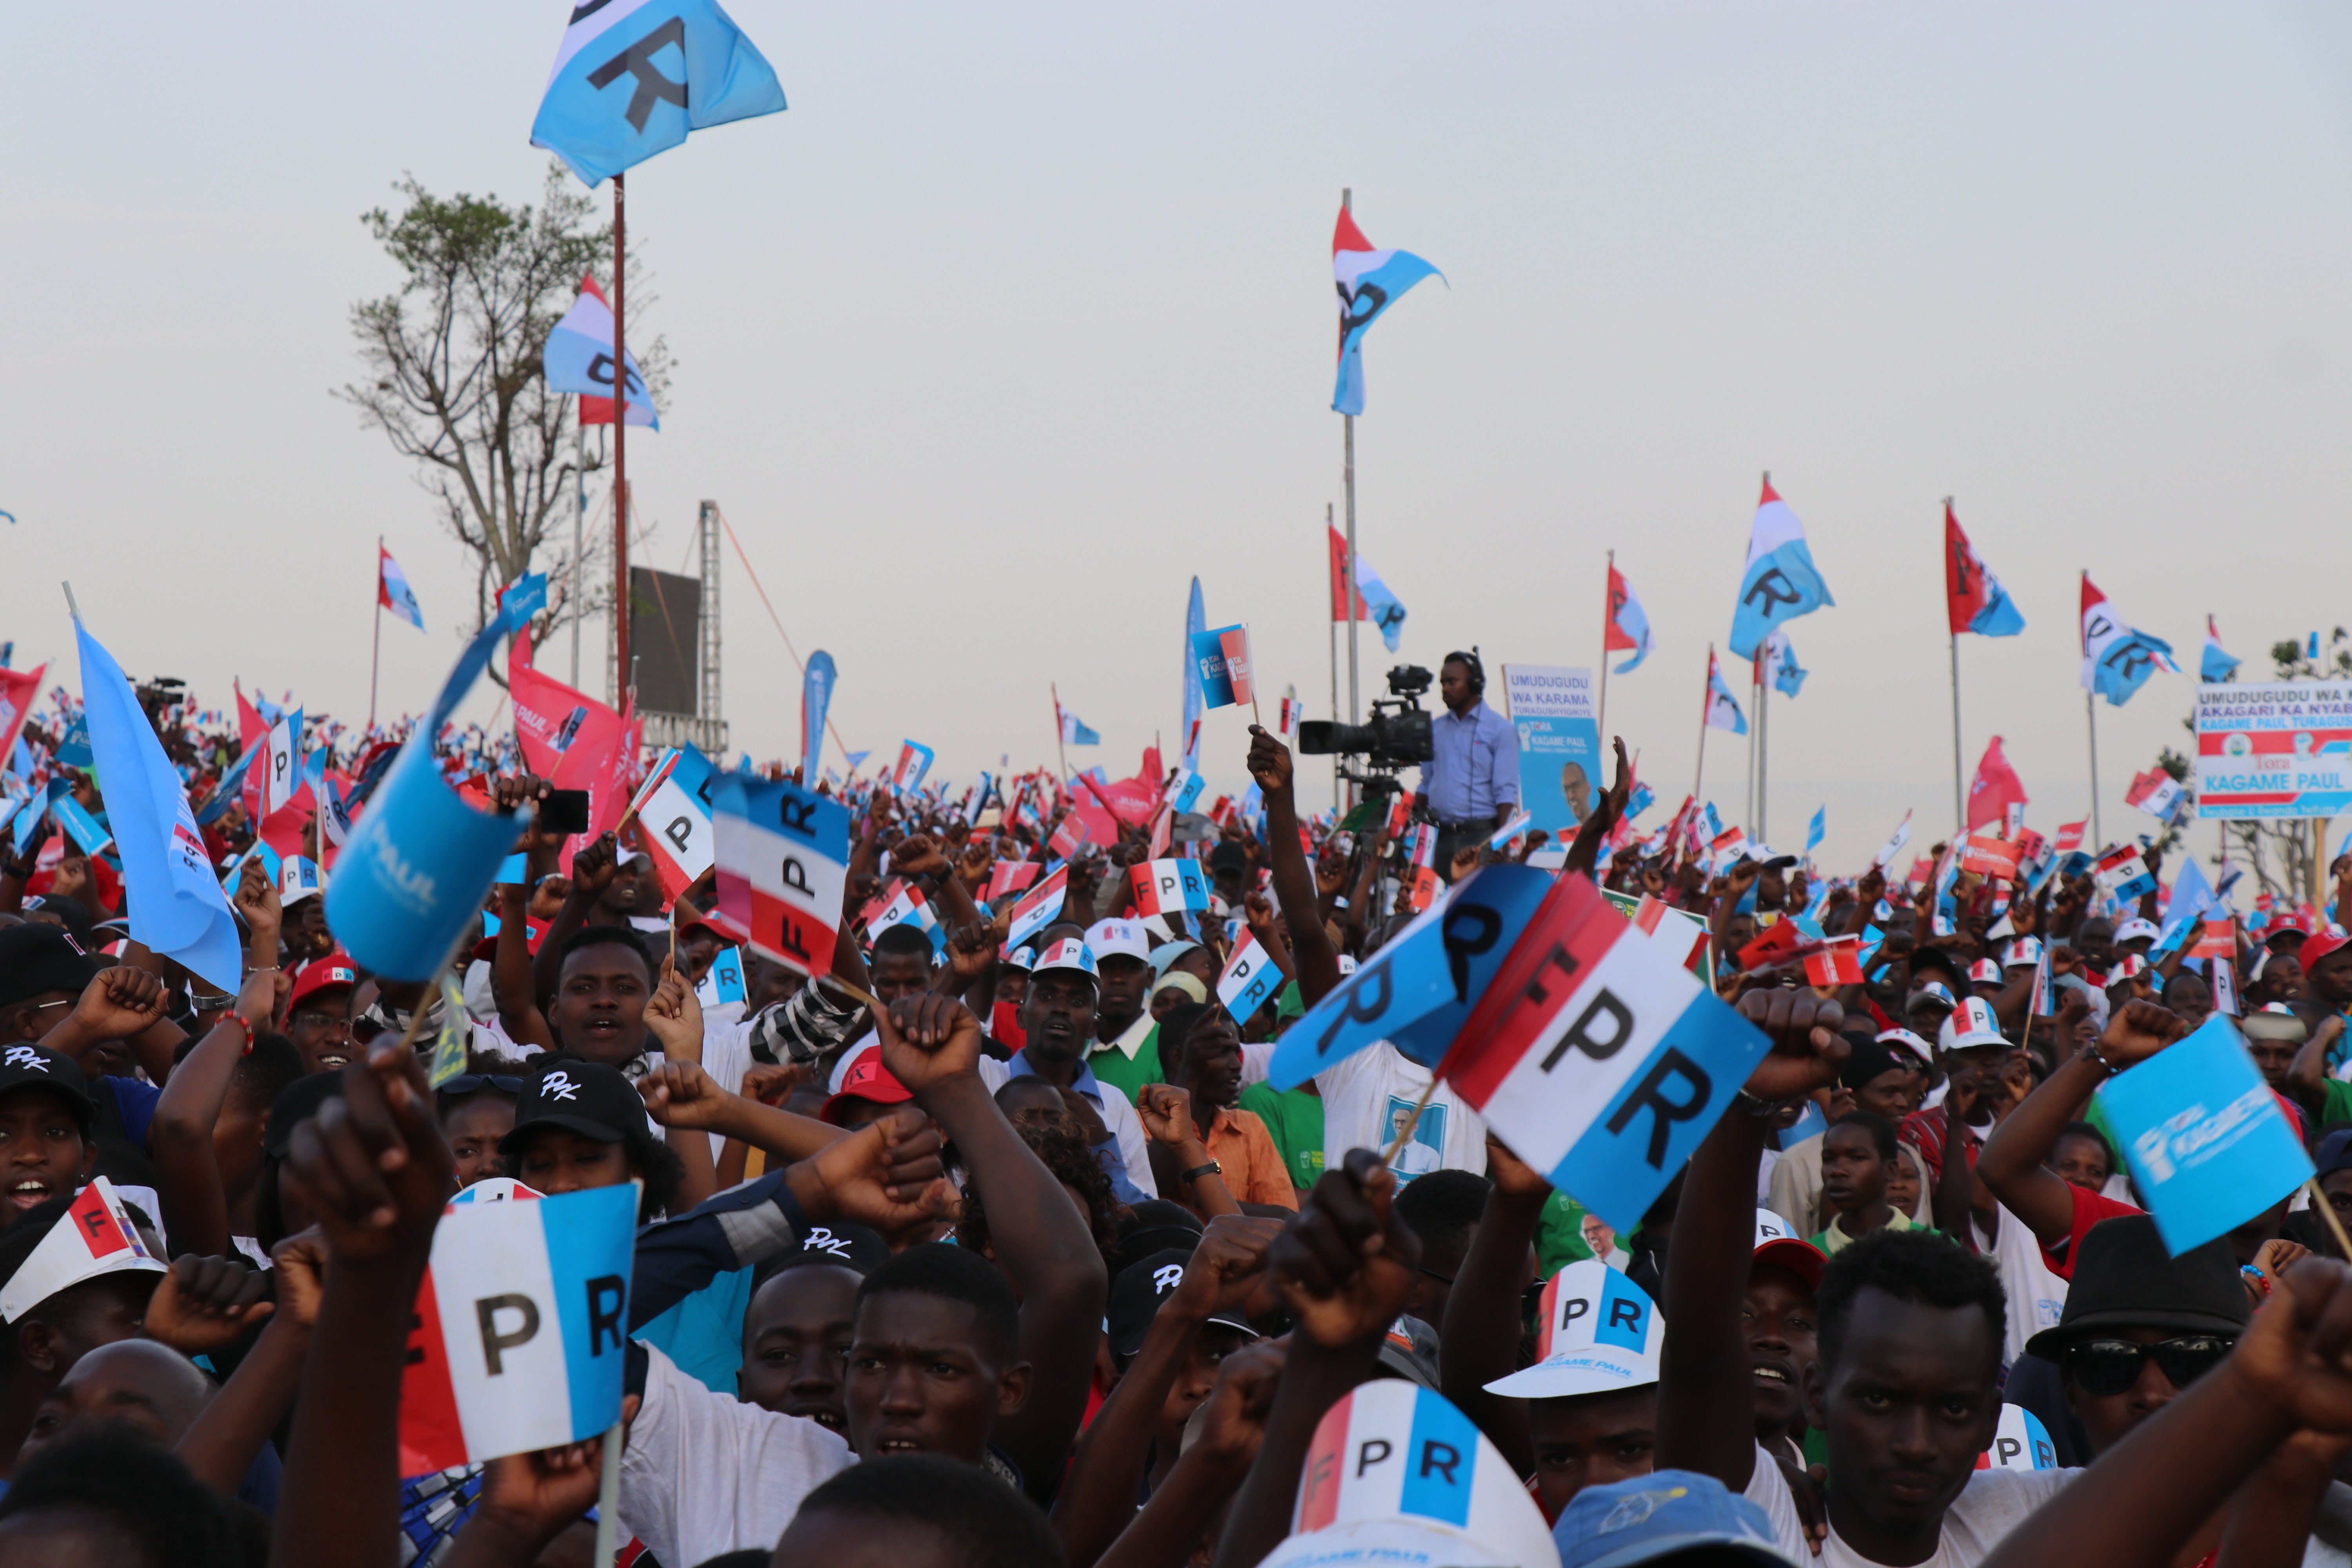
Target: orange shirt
x=1254, y=1171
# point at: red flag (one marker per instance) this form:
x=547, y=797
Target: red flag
x=1964, y=583
x=1996, y=789
x=19, y=689
x=1613, y=637
x=1340, y=580
x=572, y=741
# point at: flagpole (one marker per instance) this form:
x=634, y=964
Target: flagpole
x=620, y=443
x=1706, y=701
x=2091, y=717
x=1763, y=754
x=1348, y=423
x=1960, y=807
x=1602, y=723
x=375, y=642
x=1058, y=750
x=1337, y=809
x=579, y=525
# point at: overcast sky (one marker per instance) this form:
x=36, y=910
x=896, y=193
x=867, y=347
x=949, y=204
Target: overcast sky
x=1022, y=315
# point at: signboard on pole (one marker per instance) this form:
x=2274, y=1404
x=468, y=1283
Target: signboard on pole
x=1560, y=774
x=2277, y=750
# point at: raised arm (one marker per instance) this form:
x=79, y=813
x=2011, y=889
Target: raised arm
x=1294, y=880
x=180, y=1137
x=1479, y=1340
x=1706, y=1418
x=1585, y=852
x=674, y=1018
x=512, y=989
x=931, y=1044
x=227, y=1433
x=594, y=867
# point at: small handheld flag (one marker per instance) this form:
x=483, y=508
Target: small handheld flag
x=1167, y=887
x=1818, y=830
x=633, y=80
x=393, y=592
x=2153, y=792
x=1223, y=656
x=518, y=1342
x=674, y=806
x=782, y=853
x=1249, y=977
x=1894, y=847
x=914, y=762
x=1779, y=582
x=2125, y=875
x=1370, y=280
x=1038, y=907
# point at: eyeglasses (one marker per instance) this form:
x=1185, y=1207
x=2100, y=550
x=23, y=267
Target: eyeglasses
x=2112, y=1367
x=468, y=1082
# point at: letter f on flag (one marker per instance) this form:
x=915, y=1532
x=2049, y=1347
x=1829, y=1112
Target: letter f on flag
x=1780, y=582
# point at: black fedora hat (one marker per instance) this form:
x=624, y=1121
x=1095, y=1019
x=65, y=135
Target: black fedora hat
x=2123, y=1279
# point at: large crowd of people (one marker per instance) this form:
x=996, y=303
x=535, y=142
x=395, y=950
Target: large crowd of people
x=988, y=1255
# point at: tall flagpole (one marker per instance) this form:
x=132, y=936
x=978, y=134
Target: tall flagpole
x=1347, y=603
x=375, y=643
x=1706, y=702
x=1058, y=750
x=620, y=447
x=1960, y=796
x=579, y=525
x=2091, y=717
x=1763, y=753
x=1608, y=614
x=1355, y=710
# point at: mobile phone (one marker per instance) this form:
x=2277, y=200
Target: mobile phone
x=564, y=810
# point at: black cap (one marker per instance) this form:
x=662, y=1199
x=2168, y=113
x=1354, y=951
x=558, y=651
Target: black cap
x=297, y=1103
x=1228, y=856
x=35, y=957
x=37, y=1067
x=1136, y=1295
x=857, y=1248
x=2123, y=1279
x=2335, y=1154
x=587, y=1098
x=1930, y=956
x=1153, y=1225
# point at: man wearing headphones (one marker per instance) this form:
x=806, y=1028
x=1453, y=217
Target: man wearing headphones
x=1470, y=784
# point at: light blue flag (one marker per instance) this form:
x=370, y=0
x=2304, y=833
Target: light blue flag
x=1418, y=989
x=1196, y=621
x=523, y=598
x=816, y=700
x=177, y=910
x=2192, y=895
x=1818, y=830
x=1780, y=582
x=2118, y=659
x=2208, y=1145
x=81, y=826
x=1787, y=677
x=1370, y=280
x=73, y=747
x=2216, y=663
x=420, y=860
x=631, y=79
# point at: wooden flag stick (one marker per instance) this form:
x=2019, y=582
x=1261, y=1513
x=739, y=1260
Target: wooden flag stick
x=2327, y=1212
x=1414, y=1120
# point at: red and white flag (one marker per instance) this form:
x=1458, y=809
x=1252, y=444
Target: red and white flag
x=94, y=1237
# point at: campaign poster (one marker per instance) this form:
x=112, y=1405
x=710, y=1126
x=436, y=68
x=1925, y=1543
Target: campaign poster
x=1560, y=774
x=2279, y=749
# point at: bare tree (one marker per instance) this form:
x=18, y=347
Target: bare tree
x=454, y=379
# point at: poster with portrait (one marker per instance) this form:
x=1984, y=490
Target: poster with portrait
x=1561, y=772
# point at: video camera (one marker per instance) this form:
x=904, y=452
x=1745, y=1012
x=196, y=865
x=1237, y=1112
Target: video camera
x=1396, y=737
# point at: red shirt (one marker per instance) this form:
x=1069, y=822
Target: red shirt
x=2090, y=1209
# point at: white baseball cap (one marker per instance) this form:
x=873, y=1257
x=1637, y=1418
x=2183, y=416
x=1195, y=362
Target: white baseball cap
x=1122, y=939
x=1971, y=1024
x=1601, y=1333
x=2132, y=931
x=1068, y=954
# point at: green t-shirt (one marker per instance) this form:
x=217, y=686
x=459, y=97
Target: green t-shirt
x=2336, y=1107
x=1294, y=1118
x=1114, y=1066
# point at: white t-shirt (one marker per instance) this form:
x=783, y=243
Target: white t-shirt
x=704, y=1474
x=1364, y=1099
x=1993, y=1503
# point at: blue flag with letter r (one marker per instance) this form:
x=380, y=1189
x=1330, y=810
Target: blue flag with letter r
x=632, y=78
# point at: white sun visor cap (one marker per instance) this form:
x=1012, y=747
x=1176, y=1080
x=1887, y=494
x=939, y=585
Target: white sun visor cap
x=1396, y=1476
x=1971, y=1024
x=1601, y=1333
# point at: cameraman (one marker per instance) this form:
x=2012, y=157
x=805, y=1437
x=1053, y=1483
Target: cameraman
x=1471, y=782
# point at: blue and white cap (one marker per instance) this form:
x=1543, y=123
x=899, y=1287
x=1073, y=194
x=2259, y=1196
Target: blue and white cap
x=1069, y=953
x=1664, y=1514
x=1600, y=1332
x=1395, y=1476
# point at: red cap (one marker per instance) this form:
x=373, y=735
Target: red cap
x=2326, y=940
x=867, y=1080
x=319, y=973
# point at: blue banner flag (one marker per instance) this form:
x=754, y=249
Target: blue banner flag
x=816, y=700
x=2215, y=664
x=632, y=78
x=1370, y=280
x=523, y=598
x=1780, y=582
x=79, y=825
x=73, y=747
x=2208, y=1144
x=1818, y=830
x=177, y=910
x=420, y=860
x=1196, y=621
x=1417, y=990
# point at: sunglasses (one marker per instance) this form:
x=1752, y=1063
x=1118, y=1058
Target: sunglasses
x=2113, y=1366
x=468, y=1082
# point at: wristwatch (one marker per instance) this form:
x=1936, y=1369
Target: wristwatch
x=1758, y=1106
x=1197, y=1172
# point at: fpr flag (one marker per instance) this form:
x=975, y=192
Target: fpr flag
x=2117, y=659
x=782, y=853
x=1598, y=1059
x=1722, y=709
x=2215, y=663
x=1781, y=666
x=1370, y=280
x=674, y=805
x=1075, y=732
x=1778, y=584
x=1629, y=624
x=632, y=78
x=177, y=909
x=1995, y=788
x=1374, y=600
x=393, y=592
x=1249, y=977
x=914, y=762
x=1974, y=599
x=517, y=1341
x=578, y=359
